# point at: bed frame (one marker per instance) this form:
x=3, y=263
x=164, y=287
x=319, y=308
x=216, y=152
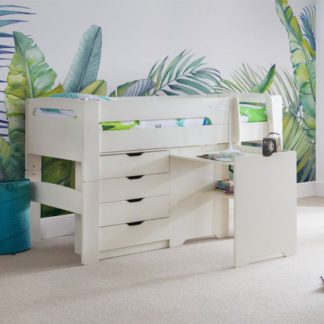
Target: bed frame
x=145, y=189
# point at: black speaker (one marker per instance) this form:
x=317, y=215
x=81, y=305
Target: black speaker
x=271, y=144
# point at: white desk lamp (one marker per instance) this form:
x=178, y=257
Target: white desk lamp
x=230, y=151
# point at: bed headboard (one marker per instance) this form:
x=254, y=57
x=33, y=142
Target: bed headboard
x=73, y=137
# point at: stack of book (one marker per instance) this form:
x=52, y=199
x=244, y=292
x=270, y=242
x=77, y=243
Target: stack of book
x=226, y=186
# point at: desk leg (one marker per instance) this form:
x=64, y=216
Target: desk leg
x=221, y=217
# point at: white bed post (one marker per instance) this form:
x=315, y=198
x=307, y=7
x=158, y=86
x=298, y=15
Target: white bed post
x=34, y=174
x=33, y=167
x=274, y=112
x=88, y=181
x=236, y=121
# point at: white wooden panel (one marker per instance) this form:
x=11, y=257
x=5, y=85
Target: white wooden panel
x=119, y=236
x=157, y=138
x=34, y=174
x=56, y=196
x=52, y=136
x=35, y=222
x=78, y=220
x=124, y=188
x=90, y=162
x=89, y=223
x=192, y=198
x=274, y=111
x=123, y=165
x=122, y=212
x=252, y=97
x=253, y=131
x=133, y=249
x=152, y=108
x=265, y=206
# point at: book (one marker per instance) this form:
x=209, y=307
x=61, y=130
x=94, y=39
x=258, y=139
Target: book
x=221, y=156
x=227, y=186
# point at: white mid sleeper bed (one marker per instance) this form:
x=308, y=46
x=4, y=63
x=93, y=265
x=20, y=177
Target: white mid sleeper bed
x=145, y=188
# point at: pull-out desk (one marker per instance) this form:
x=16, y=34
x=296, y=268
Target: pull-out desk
x=264, y=200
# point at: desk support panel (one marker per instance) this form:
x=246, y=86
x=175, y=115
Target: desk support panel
x=265, y=206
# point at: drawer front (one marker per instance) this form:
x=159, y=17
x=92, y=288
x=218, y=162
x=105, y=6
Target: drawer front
x=132, y=164
x=121, y=212
x=133, y=188
x=120, y=236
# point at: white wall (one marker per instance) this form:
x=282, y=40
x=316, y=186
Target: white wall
x=137, y=33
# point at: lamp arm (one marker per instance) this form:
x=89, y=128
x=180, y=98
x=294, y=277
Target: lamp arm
x=230, y=150
x=230, y=144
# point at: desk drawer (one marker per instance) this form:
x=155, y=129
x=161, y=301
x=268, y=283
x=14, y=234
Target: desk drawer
x=134, y=187
x=119, y=236
x=132, y=164
x=121, y=212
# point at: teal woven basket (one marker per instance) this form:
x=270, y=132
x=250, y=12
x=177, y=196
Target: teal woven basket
x=14, y=216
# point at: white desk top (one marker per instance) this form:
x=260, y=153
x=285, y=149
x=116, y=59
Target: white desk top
x=193, y=154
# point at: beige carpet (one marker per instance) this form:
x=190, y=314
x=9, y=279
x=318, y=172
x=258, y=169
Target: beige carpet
x=191, y=284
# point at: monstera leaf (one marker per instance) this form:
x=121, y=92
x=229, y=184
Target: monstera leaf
x=85, y=65
x=29, y=77
x=135, y=88
x=303, y=60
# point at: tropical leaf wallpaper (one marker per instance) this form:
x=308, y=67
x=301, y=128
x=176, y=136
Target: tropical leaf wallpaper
x=29, y=75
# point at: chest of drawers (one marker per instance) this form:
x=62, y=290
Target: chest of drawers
x=134, y=201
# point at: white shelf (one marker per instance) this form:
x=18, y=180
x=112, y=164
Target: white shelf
x=196, y=158
x=223, y=195
x=192, y=154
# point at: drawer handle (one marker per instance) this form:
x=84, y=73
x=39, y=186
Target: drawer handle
x=135, y=154
x=135, y=177
x=135, y=223
x=135, y=200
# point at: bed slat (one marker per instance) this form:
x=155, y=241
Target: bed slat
x=57, y=196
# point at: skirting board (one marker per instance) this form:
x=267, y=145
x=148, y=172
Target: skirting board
x=57, y=226
x=319, y=186
x=306, y=189
x=64, y=225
